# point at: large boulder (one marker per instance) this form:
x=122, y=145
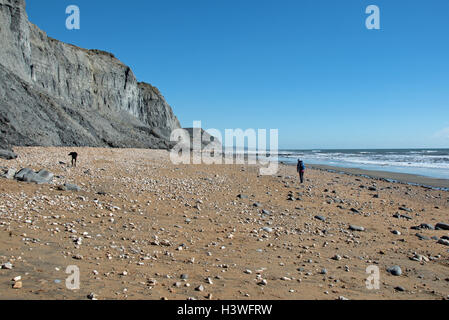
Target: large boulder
x=28, y=175
x=8, y=155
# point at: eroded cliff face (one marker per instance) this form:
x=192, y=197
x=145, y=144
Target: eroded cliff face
x=53, y=93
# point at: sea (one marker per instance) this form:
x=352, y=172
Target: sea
x=432, y=163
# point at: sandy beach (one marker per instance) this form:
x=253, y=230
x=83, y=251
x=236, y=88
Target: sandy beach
x=143, y=228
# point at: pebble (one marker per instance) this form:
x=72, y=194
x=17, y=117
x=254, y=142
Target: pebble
x=7, y=265
x=395, y=270
x=92, y=296
x=263, y=282
x=356, y=228
x=422, y=237
x=336, y=257
x=424, y=226
x=200, y=288
x=442, y=226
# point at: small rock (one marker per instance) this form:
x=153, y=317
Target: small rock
x=442, y=226
x=92, y=296
x=267, y=229
x=395, y=270
x=336, y=257
x=266, y=212
x=422, y=237
x=200, y=288
x=356, y=228
x=69, y=187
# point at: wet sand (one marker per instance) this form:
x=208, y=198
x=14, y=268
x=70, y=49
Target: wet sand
x=143, y=228
x=399, y=177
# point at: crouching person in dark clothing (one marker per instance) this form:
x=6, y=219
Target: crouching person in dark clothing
x=301, y=168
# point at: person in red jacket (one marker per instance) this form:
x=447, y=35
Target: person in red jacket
x=301, y=168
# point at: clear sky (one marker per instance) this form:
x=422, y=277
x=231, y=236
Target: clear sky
x=309, y=68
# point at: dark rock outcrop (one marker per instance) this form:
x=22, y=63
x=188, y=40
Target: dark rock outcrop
x=56, y=94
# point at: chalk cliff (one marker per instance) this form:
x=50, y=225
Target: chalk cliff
x=56, y=94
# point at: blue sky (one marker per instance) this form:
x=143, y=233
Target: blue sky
x=308, y=68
